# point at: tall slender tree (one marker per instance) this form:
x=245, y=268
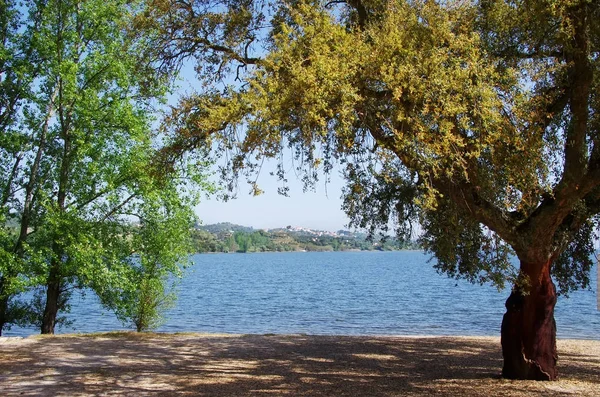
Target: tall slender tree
x=17, y=73
x=479, y=119
x=80, y=154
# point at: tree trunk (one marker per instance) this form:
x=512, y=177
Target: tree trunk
x=52, y=300
x=528, y=327
x=3, y=313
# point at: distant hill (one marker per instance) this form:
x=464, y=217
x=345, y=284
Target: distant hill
x=229, y=237
x=225, y=227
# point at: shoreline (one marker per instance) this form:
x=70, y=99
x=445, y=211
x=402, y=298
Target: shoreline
x=128, y=331
x=129, y=363
x=124, y=332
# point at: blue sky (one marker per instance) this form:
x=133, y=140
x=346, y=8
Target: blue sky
x=320, y=209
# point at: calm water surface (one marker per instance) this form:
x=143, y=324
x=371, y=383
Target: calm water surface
x=349, y=293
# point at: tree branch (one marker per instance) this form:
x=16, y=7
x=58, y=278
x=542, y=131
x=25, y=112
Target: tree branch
x=466, y=195
x=580, y=78
x=118, y=207
x=361, y=11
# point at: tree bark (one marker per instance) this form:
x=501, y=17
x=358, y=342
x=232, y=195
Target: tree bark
x=528, y=327
x=3, y=309
x=55, y=277
x=52, y=302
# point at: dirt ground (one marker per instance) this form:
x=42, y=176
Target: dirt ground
x=273, y=365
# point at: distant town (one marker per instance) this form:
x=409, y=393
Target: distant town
x=229, y=237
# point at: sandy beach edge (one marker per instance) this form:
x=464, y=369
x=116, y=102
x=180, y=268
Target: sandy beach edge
x=128, y=363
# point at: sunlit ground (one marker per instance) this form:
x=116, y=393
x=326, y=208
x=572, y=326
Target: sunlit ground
x=297, y=365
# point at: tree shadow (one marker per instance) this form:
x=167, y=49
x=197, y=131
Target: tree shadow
x=254, y=365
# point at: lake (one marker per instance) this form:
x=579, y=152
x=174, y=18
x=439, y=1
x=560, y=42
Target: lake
x=344, y=293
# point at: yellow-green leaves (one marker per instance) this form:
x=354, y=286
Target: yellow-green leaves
x=421, y=73
x=308, y=81
x=472, y=102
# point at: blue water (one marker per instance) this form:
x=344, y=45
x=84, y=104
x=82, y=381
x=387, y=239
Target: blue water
x=349, y=293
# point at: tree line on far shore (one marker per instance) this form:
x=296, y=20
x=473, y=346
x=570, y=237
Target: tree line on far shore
x=235, y=238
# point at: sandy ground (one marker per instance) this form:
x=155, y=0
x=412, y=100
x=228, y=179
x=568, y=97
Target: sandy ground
x=274, y=365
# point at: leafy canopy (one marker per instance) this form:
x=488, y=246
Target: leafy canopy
x=78, y=159
x=478, y=119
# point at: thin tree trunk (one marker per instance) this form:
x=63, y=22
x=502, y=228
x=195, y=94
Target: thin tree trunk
x=6, y=194
x=52, y=299
x=26, y=213
x=528, y=328
x=3, y=309
x=55, y=278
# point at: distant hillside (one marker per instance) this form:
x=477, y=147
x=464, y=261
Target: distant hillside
x=225, y=227
x=229, y=237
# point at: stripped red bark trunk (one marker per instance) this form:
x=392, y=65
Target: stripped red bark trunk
x=529, y=329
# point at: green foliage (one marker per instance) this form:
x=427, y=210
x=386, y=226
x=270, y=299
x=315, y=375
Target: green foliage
x=160, y=246
x=152, y=301
x=571, y=270
x=26, y=313
x=478, y=120
x=463, y=249
x=282, y=240
x=204, y=241
x=80, y=162
x=374, y=197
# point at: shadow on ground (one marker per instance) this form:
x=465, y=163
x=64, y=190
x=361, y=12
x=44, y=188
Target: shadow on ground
x=252, y=365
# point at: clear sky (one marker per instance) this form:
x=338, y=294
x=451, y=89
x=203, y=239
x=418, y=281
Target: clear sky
x=319, y=210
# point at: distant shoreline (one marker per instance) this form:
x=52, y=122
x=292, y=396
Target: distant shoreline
x=229, y=237
x=305, y=251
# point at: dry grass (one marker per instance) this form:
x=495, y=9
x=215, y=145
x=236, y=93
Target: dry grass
x=274, y=365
